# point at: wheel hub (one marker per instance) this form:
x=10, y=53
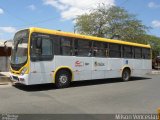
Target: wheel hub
x=63, y=79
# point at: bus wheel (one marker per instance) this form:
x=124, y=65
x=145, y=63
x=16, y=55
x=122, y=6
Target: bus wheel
x=126, y=74
x=63, y=79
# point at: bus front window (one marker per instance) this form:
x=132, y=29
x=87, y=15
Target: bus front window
x=20, y=50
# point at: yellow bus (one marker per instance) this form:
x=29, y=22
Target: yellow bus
x=42, y=56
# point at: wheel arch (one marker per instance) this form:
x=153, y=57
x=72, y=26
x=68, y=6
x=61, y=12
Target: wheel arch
x=126, y=67
x=63, y=68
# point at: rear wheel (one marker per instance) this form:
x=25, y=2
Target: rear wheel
x=63, y=79
x=126, y=74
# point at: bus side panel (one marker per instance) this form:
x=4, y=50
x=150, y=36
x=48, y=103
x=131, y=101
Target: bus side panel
x=147, y=64
x=114, y=66
x=99, y=67
x=141, y=67
x=41, y=72
x=65, y=61
x=81, y=66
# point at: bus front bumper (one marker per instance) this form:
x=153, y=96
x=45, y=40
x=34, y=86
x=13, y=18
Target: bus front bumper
x=23, y=79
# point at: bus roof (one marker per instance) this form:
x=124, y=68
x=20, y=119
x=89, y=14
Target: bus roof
x=68, y=34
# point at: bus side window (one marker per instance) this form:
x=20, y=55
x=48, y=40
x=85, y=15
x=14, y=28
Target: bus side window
x=114, y=50
x=146, y=53
x=138, y=53
x=56, y=44
x=41, y=47
x=83, y=48
x=127, y=51
x=75, y=47
x=66, y=46
x=107, y=52
x=76, y=51
x=47, y=47
x=99, y=49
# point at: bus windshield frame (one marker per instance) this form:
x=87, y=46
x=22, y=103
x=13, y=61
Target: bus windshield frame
x=20, y=49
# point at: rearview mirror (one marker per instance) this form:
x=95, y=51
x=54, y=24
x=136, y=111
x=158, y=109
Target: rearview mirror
x=38, y=43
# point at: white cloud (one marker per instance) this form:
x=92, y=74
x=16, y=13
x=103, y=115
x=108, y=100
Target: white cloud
x=156, y=23
x=32, y=7
x=71, y=8
x=8, y=29
x=1, y=11
x=153, y=5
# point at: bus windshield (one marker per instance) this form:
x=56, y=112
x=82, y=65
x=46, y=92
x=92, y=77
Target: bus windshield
x=20, y=48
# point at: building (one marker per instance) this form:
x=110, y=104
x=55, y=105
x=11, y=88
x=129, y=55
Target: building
x=5, y=53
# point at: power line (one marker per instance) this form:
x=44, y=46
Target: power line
x=23, y=20
x=36, y=23
x=18, y=18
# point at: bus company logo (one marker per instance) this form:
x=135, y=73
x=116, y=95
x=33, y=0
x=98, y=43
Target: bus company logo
x=79, y=64
x=99, y=64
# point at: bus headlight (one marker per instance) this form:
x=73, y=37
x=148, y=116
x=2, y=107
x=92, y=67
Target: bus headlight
x=24, y=71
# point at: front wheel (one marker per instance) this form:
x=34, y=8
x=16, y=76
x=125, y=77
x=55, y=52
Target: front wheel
x=126, y=74
x=63, y=79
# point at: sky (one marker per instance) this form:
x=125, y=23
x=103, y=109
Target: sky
x=60, y=14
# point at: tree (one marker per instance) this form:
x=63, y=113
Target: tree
x=104, y=22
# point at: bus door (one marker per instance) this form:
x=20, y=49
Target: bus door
x=41, y=59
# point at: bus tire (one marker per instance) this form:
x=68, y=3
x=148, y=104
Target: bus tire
x=63, y=79
x=126, y=74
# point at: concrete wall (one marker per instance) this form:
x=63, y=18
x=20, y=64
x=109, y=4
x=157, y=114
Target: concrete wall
x=4, y=59
x=4, y=64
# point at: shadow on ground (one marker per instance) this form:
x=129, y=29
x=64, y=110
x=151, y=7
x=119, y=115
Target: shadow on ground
x=45, y=87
